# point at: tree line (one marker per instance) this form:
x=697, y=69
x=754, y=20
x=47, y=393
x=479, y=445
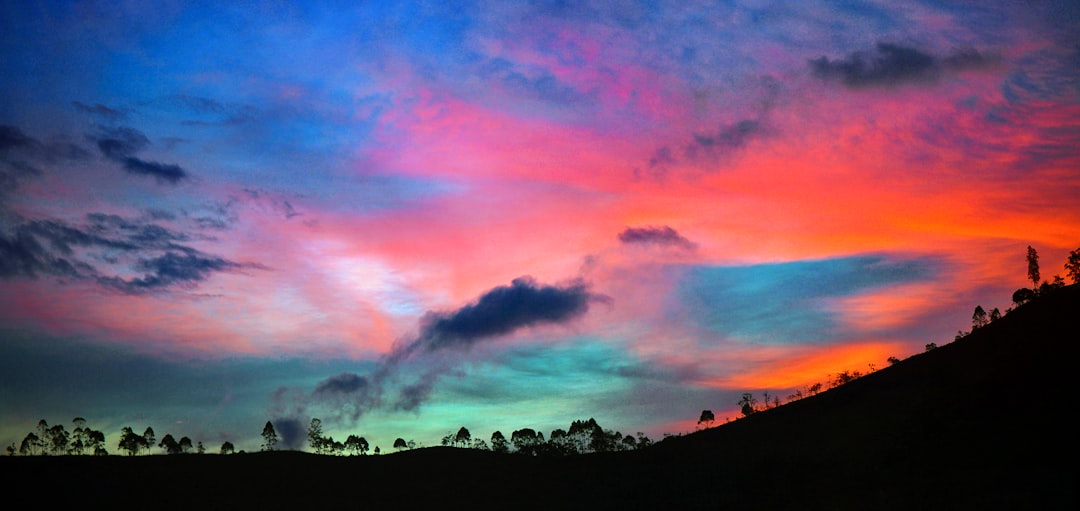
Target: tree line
x=56, y=440
x=582, y=437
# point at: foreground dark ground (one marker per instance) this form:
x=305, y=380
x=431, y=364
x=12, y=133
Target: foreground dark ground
x=981, y=423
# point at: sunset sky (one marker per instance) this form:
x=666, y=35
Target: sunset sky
x=404, y=218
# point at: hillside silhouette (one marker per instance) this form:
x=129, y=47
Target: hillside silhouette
x=980, y=423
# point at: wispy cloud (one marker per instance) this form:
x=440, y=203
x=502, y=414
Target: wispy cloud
x=104, y=250
x=444, y=336
x=121, y=143
x=655, y=235
x=892, y=64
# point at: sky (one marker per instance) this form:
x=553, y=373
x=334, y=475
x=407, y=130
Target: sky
x=403, y=218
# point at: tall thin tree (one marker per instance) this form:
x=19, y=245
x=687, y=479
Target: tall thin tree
x=1033, y=268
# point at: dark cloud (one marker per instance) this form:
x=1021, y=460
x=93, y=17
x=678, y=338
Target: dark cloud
x=498, y=312
x=344, y=383
x=171, y=269
x=729, y=139
x=662, y=236
x=291, y=431
x=103, y=249
x=892, y=64
x=121, y=143
x=100, y=111
x=411, y=396
x=22, y=254
x=12, y=137
x=710, y=147
x=725, y=140
x=160, y=171
x=13, y=173
x=22, y=156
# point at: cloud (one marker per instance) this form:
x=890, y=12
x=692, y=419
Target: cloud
x=172, y=269
x=729, y=137
x=100, y=111
x=161, y=171
x=498, y=312
x=14, y=172
x=105, y=248
x=891, y=65
x=22, y=156
x=783, y=302
x=12, y=137
x=660, y=236
x=291, y=431
x=120, y=144
x=501, y=311
x=344, y=383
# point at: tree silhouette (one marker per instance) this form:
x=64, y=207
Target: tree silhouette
x=315, y=438
x=499, y=443
x=561, y=443
x=148, y=438
x=269, y=437
x=169, y=444
x=400, y=444
x=227, y=448
x=462, y=437
x=78, y=436
x=97, y=442
x=131, y=442
x=1022, y=296
x=995, y=315
x=185, y=445
x=29, y=445
x=356, y=444
x=1033, y=266
x=706, y=418
x=1072, y=266
x=334, y=447
x=524, y=440
x=40, y=439
x=58, y=439
x=979, y=318
x=746, y=404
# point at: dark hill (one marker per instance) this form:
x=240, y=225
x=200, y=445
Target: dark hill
x=981, y=423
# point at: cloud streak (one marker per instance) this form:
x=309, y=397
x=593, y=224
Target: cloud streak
x=120, y=145
x=891, y=65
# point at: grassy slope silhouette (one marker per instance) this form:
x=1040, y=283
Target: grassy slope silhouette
x=980, y=423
